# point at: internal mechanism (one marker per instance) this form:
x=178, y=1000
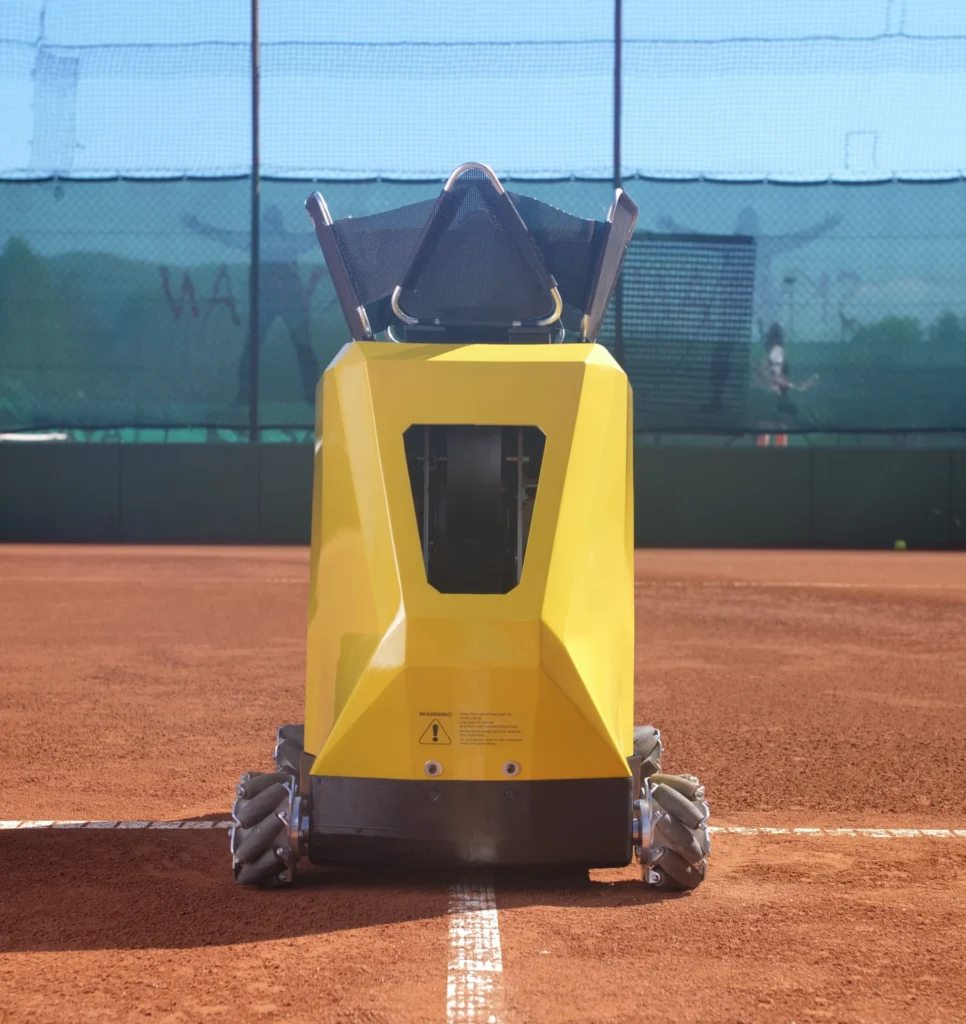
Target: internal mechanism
x=474, y=490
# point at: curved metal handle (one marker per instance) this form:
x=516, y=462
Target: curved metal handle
x=557, y=309
x=398, y=310
x=614, y=204
x=501, y=191
x=323, y=207
x=473, y=166
x=407, y=319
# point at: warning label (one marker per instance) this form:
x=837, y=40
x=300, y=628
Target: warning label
x=435, y=734
x=488, y=728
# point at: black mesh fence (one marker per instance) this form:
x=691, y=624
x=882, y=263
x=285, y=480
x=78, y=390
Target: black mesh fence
x=797, y=168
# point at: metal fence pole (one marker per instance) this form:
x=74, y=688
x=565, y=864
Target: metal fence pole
x=619, y=290
x=254, y=275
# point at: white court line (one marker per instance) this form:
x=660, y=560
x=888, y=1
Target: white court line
x=798, y=585
x=6, y=826
x=715, y=584
x=157, y=580
x=733, y=830
x=474, y=979
x=875, y=833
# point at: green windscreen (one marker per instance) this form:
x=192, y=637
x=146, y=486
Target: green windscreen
x=799, y=170
x=126, y=303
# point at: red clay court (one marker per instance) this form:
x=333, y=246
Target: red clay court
x=808, y=691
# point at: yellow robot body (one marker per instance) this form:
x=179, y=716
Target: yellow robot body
x=406, y=683
x=470, y=664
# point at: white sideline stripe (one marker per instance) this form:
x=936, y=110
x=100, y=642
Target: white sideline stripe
x=876, y=833
x=159, y=580
x=300, y=581
x=474, y=979
x=715, y=584
x=797, y=585
x=104, y=825
x=733, y=830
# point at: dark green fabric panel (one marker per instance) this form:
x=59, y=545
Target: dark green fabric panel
x=190, y=494
x=654, y=496
x=124, y=304
x=741, y=497
x=873, y=498
x=58, y=492
x=285, y=493
x=684, y=497
x=957, y=515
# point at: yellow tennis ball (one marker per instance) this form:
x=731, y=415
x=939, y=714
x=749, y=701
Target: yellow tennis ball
x=900, y=545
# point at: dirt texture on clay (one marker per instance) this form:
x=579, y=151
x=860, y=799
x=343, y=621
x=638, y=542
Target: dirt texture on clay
x=805, y=689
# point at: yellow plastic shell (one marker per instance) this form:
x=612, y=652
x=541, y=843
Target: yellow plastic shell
x=543, y=675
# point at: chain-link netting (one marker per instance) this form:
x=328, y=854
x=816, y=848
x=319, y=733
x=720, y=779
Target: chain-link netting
x=867, y=285
x=124, y=303
x=867, y=90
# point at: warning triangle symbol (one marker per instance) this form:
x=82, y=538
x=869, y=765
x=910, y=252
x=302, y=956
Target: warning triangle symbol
x=435, y=735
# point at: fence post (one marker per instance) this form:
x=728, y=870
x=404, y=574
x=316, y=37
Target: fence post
x=254, y=272
x=618, y=299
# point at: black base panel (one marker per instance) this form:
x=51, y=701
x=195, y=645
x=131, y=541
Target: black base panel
x=584, y=822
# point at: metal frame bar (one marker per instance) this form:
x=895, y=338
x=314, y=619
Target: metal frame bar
x=512, y=221
x=473, y=166
x=603, y=290
x=352, y=309
x=618, y=71
x=618, y=298
x=254, y=270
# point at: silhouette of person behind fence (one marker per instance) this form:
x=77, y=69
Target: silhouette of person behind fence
x=281, y=295
x=767, y=298
x=775, y=376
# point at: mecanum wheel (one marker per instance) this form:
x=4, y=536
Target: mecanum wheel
x=264, y=837
x=647, y=746
x=674, y=855
x=289, y=748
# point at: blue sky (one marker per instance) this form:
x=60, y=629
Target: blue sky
x=746, y=89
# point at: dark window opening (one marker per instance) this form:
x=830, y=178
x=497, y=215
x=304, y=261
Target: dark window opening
x=474, y=490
